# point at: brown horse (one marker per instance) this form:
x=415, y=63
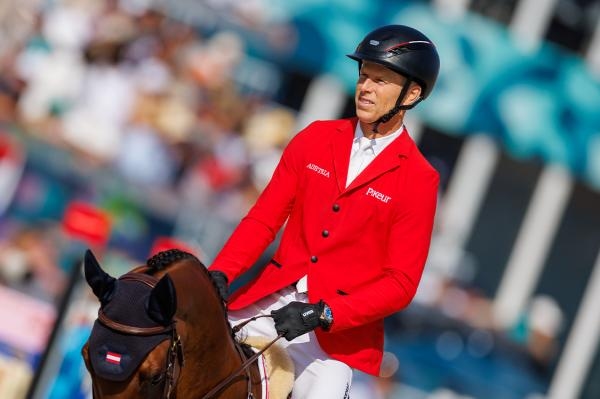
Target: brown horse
x=162, y=333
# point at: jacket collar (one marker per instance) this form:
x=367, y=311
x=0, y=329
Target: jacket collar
x=390, y=157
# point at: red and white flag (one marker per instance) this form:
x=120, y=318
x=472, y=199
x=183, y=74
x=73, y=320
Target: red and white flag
x=113, y=358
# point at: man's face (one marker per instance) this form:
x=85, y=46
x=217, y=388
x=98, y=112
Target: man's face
x=377, y=90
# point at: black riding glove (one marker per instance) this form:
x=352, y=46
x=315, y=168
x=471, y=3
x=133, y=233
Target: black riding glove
x=297, y=318
x=221, y=282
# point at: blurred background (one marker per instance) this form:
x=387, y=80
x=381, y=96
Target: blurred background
x=128, y=126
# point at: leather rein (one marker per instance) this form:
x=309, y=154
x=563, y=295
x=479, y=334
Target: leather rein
x=175, y=358
x=245, y=363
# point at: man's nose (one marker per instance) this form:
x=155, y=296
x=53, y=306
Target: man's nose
x=367, y=85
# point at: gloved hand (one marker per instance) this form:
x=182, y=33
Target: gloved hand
x=221, y=282
x=297, y=318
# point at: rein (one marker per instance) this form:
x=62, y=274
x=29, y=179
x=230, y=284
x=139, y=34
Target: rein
x=245, y=364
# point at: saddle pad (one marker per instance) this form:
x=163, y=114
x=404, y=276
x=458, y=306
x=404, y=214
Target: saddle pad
x=278, y=367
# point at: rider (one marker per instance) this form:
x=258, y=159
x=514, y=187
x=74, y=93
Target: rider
x=358, y=200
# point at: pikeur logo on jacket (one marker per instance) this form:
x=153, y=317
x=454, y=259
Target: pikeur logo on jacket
x=363, y=247
x=380, y=196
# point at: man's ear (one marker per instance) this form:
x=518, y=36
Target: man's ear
x=413, y=95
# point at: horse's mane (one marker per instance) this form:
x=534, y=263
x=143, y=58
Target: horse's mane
x=164, y=259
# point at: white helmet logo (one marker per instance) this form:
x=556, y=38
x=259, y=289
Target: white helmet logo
x=373, y=42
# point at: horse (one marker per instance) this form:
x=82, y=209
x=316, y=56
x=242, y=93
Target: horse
x=162, y=332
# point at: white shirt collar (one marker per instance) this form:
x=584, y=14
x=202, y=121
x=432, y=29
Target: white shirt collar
x=374, y=145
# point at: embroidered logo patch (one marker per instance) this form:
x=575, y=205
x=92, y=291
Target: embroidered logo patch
x=377, y=195
x=112, y=357
x=318, y=169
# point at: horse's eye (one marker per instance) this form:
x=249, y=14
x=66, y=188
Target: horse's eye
x=157, y=378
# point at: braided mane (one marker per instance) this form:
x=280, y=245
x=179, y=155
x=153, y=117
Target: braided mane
x=163, y=259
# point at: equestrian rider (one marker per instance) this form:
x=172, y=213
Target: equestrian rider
x=358, y=200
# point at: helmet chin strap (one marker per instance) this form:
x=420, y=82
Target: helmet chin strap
x=398, y=107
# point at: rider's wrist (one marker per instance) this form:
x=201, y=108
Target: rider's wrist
x=325, y=316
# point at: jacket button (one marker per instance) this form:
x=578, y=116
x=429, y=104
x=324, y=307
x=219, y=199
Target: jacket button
x=314, y=259
x=325, y=233
x=335, y=207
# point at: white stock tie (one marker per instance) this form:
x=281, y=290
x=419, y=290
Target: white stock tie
x=360, y=158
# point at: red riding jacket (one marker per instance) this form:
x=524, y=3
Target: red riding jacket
x=363, y=247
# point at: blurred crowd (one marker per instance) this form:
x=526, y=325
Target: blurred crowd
x=141, y=93
x=123, y=88
x=116, y=92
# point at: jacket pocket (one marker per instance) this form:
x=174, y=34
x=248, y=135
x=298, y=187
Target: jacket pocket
x=275, y=263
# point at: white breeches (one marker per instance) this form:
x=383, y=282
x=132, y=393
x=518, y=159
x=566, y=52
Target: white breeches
x=317, y=376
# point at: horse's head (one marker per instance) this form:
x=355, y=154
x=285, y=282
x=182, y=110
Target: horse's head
x=149, y=321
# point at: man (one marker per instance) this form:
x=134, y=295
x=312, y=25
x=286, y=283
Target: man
x=358, y=200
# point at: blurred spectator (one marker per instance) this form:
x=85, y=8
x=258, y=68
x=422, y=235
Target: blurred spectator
x=214, y=62
x=266, y=132
x=52, y=66
x=539, y=329
x=17, y=19
x=94, y=125
x=12, y=163
x=29, y=262
x=10, y=88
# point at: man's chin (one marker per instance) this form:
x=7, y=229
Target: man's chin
x=364, y=117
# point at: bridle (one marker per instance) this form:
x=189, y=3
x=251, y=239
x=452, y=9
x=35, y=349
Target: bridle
x=175, y=358
x=175, y=352
x=245, y=362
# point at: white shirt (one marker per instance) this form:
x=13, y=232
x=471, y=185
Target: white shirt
x=363, y=152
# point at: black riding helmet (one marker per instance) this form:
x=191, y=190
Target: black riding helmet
x=406, y=51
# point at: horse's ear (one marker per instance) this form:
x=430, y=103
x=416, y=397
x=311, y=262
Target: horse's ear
x=163, y=301
x=101, y=283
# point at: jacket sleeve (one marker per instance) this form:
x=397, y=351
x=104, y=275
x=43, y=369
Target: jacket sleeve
x=407, y=249
x=260, y=226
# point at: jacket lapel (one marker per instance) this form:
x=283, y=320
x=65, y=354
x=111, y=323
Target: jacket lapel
x=341, y=146
x=390, y=158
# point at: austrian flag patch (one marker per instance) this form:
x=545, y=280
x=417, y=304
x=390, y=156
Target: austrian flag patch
x=112, y=357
